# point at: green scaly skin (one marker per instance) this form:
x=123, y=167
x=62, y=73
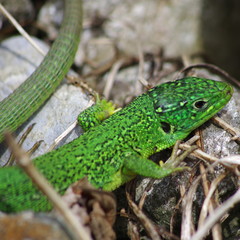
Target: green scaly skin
x=19, y=106
x=114, y=151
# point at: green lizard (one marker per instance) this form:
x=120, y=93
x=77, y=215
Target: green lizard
x=113, y=151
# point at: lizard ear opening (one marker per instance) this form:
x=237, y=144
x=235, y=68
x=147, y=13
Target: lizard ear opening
x=166, y=127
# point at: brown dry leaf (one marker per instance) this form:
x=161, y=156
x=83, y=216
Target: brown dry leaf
x=95, y=208
x=30, y=226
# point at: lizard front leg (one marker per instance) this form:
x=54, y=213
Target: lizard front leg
x=96, y=114
x=134, y=164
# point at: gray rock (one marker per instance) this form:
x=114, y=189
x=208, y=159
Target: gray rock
x=156, y=24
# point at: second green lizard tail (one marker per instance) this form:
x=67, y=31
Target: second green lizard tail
x=19, y=106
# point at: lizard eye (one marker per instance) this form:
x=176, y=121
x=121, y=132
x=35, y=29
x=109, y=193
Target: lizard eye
x=199, y=104
x=166, y=127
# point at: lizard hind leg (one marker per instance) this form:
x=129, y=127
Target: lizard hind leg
x=96, y=114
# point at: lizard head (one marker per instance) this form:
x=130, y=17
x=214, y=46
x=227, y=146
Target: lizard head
x=185, y=104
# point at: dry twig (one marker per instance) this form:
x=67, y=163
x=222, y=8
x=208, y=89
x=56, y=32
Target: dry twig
x=205, y=206
x=216, y=215
x=213, y=68
x=147, y=224
x=187, y=227
x=111, y=77
x=20, y=29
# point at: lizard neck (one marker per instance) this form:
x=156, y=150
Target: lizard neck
x=144, y=132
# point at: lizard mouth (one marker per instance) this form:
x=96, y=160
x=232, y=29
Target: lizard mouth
x=217, y=101
x=230, y=91
x=226, y=93
x=226, y=88
x=222, y=95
